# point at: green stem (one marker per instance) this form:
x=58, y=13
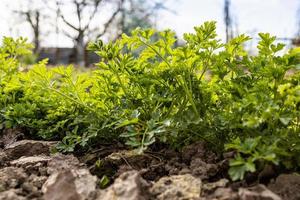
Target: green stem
x=206, y=65
x=183, y=83
x=157, y=53
x=75, y=88
x=190, y=98
x=143, y=139
x=119, y=80
x=204, y=70
x=72, y=99
x=121, y=84
x=66, y=96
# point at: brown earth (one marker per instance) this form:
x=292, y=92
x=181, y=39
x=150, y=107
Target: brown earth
x=28, y=170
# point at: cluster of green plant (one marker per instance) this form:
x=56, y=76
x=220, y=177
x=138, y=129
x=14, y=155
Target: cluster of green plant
x=49, y=103
x=147, y=89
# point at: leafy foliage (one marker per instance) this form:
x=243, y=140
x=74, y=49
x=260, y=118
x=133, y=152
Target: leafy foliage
x=148, y=89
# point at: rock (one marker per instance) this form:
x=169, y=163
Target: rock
x=31, y=160
x=3, y=158
x=128, y=185
x=223, y=194
x=43, y=171
x=76, y=184
x=38, y=169
x=287, y=186
x=11, y=194
x=185, y=171
x=208, y=187
x=11, y=177
x=35, y=196
x=28, y=148
x=60, y=162
x=29, y=187
x=32, y=164
x=120, y=162
x=117, y=157
x=37, y=181
x=259, y=192
x=202, y=169
x=125, y=157
x=177, y=187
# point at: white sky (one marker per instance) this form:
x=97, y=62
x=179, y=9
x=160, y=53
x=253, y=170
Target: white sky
x=278, y=17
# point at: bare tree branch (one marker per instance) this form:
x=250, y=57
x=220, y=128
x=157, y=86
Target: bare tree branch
x=33, y=18
x=96, y=7
x=68, y=34
x=68, y=23
x=111, y=19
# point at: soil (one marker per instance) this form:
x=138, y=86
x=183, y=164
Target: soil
x=28, y=170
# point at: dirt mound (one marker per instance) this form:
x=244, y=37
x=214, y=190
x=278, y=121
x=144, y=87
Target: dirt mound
x=29, y=171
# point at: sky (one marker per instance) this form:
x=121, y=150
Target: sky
x=278, y=17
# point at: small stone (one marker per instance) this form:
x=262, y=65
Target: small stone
x=28, y=148
x=185, y=171
x=3, y=158
x=35, y=169
x=60, y=162
x=128, y=185
x=212, y=186
x=178, y=187
x=37, y=181
x=224, y=194
x=76, y=184
x=11, y=194
x=35, y=195
x=31, y=160
x=29, y=187
x=11, y=177
x=259, y=192
x=287, y=186
x=43, y=171
x=125, y=157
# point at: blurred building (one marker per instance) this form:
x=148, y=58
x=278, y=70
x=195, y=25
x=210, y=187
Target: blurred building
x=65, y=56
x=296, y=41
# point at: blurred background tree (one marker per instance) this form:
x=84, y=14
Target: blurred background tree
x=32, y=12
x=68, y=25
x=82, y=21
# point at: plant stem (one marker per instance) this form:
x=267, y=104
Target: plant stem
x=183, y=83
